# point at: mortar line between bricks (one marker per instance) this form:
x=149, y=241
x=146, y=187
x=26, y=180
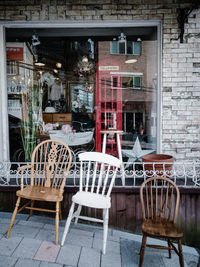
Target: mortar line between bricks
x=17, y=246
x=38, y=249
x=58, y=254
x=101, y=258
x=79, y=256
x=93, y=240
x=16, y=262
x=120, y=250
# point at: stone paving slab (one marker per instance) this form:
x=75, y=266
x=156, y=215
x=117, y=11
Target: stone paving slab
x=7, y=246
x=99, y=235
x=69, y=255
x=27, y=263
x=49, y=235
x=111, y=260
x=47, y=252
x=19, y=216
x=23, y=231
x=33, y=224
x=112, y=246
x=6, y=261
x=4, y=228
x=27, y=248
x=89, y=257
x=49, y=264
x=79, y=240
x=81, y=232
x=43, y=219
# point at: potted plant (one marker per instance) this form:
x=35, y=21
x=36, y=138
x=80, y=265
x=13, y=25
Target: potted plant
x=160, y=164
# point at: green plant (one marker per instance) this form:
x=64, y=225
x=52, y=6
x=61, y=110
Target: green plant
x=32, y=122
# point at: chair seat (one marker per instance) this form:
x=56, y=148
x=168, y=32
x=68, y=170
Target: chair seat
x=92, y=200
x=41, y=193
x=161, y=228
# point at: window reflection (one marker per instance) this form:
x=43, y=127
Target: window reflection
x=107, y=81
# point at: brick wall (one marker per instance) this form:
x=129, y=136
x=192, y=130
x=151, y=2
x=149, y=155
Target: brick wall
x=181, y=61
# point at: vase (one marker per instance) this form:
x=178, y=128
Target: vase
x=161, y=164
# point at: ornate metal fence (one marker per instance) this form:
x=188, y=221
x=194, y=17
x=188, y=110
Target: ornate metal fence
x=183, y=173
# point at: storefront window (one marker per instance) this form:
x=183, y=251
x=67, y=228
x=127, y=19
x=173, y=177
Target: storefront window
x=102, y=81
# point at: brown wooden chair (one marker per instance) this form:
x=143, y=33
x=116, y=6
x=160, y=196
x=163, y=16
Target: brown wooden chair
x=50, y=164
x=159, y=197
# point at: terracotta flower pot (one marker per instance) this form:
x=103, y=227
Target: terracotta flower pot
x=161, y=163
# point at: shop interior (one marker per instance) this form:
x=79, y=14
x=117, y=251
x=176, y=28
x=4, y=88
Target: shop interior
x=90, y=79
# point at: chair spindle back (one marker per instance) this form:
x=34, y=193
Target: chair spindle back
x=98, y=172
x=159, y=198
x=51, y=160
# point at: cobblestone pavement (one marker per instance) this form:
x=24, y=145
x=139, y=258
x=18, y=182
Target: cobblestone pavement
x=31, y=243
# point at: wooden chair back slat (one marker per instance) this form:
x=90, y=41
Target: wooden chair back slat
x=156, y=208
x=147, y=201
x=62, y=169
x=41, y=173
x=163, y=190
x=161, y=199
x=51, y=159
x=170, y=204
x=96, y=166
x=57, y=171
x=151, y=190
x=166, y=201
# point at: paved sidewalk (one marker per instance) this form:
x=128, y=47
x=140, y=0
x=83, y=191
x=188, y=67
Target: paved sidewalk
x=31, y=243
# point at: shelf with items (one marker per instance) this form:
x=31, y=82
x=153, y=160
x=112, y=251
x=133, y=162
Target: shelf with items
x=19, y=77
x=61, y=118
x=17, y=105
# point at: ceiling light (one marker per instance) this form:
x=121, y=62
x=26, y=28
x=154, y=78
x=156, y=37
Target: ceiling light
x=129, y=61
x=59, y=65
x=35, y=40
x=122, y=37
x=39, y=64
x=84, y=59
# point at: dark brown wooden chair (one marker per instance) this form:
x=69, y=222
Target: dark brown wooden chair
x=50, y=164
x=159, y=197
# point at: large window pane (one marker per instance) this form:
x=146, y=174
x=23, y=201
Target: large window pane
x=87, y=81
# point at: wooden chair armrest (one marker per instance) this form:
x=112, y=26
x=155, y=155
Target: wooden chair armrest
x=21, y=169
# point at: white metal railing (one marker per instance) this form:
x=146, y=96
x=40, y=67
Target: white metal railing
x=183, y=173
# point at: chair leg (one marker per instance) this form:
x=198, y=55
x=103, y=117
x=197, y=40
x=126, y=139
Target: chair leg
x=105, y=229
x=13, y=216
x=68, y=221
x=169, y=250
x=142, y=250
x=78, y=213
x=60, y=211
x=181, y=260
x=57, y=221
x=32, y=205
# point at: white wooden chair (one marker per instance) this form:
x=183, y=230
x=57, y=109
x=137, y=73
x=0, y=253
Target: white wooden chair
x=97, y=176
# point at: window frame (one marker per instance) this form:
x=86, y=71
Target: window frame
x=126, y=52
